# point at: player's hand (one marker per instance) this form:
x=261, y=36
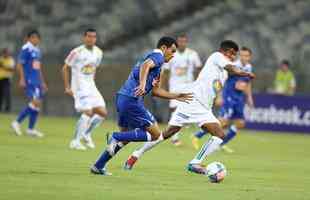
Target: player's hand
x=44, y=86
x=218, y=101
x=185, y=97
x=140, y=90
x=22, y=83
x=252, y=75
x=156, y=82
x=69, y=92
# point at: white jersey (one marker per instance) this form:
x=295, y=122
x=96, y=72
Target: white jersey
x=246, y=67
x=210, y=79
x=182, y=67
x=83, y=63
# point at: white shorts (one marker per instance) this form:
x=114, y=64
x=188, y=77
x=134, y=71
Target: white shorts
x=177, y=89
x=193, y=112
x=88, y=102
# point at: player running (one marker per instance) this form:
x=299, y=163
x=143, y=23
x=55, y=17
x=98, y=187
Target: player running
x=199, y=110
x=182, y=70
x=31, y=79
x=236, y=93
x=136, y=123
x=83, y=62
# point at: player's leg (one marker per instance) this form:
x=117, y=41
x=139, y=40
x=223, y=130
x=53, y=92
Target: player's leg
x=80, y=129
x=99, y=167
x=170, y=131
x=33, y=118
x=175, y=139
x=99, y=114
x=176, y=122
x=209, y=123
x=237, y=117
x=31, y=110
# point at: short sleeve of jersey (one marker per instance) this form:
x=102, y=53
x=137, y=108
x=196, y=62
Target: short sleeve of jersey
x=22, y=56
x=220, y=60
x=72, y=58
x=196, y=60
x=157, y=58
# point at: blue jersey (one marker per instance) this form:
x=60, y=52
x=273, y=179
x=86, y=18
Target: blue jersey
x=130, y=109
x=30, y=58
x=128, y=89
x=229, y=91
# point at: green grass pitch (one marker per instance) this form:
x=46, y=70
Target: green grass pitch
x=265, y=166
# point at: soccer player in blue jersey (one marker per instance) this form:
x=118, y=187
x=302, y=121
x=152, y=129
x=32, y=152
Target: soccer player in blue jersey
x=32, y=81
x=136, y=123
x=236, y=93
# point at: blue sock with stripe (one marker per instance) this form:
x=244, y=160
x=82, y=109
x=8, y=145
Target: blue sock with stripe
x=200, y=134
x=232, y=131
x=136, y=135
x=105, y=157
x=23, y=114
x=33, y=117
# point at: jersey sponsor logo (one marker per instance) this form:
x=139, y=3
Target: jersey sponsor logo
x=217, y=86
x=88, y=69
x=181, y=71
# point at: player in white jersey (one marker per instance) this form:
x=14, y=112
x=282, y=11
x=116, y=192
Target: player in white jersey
x=83, y=62
x=182, y=68
x=199, y=110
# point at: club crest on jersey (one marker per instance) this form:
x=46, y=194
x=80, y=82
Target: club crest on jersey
x=88, y=69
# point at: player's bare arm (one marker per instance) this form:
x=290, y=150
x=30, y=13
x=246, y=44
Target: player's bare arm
x=20, y=70
x=65, y=76
x=162, y=93
x=232, y=70
x=144, y=71
x=44, y=84
x=249, y=95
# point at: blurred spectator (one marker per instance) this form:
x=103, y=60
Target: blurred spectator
x=284, y=82
x=7, y=64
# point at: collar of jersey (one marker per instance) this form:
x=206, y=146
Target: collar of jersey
x=158, y=51
x=30, y=45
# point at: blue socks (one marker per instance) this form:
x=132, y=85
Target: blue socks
x=30, y=111
x=105, y=157
x=33, y=118
x=232, y=131
x=136, y=135
x=200, y=134
x=23, y=114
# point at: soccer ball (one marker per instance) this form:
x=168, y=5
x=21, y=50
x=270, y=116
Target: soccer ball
x=216, y=172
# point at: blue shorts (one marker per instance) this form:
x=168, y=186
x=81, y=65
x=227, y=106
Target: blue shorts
x=34, y=92
x=232, y=110
x=132, y=113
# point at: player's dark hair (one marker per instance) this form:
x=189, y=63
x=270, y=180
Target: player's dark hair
x=167, y=41
x=246, y=49
x=229, y=44
x=32, y=33
x=285, y=62
x=89, y=30
x=182, y=35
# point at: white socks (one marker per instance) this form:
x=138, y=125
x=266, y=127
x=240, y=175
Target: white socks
x=94, y=122
x=209, y=147
x=81, y=126
x=147, y=146
x=175, y=137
